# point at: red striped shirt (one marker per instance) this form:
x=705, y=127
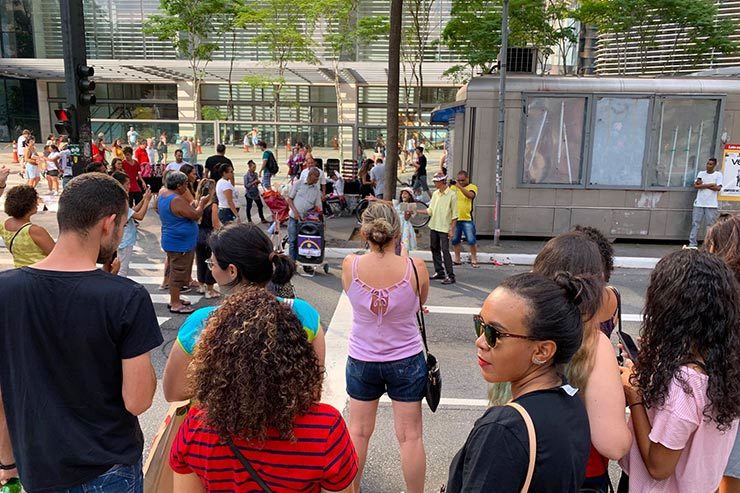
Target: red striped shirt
x=322, y=456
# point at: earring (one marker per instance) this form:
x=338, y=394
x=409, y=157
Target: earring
x=538, y=362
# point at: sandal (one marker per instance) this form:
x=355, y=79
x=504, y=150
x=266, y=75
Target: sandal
x=474, y=265
x=183, y=310
x=455, y=262
x=182, y=302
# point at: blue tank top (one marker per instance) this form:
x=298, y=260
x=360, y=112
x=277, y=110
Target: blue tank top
x=178, y=233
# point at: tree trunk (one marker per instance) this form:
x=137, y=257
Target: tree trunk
x=394, y=63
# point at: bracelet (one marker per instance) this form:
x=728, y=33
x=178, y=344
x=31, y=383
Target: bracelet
x=636, y=404
x=7, y=467
x=3, y=187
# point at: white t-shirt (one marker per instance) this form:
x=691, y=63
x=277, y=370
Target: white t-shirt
x=338, y=185
x=377, y=174
x=322, y=176
x=50, y=164
x=706, y=197
x=151, y=152
x=21, y=146
x=174, y=166
x=221, y=188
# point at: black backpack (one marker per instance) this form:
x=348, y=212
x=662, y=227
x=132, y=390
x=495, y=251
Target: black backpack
x=272, y=165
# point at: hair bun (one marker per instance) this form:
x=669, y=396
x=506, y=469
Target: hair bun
x=572, y=285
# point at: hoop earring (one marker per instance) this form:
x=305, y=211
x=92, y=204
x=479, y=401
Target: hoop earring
x=538, y=362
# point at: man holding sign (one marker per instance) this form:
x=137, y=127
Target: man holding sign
x=708, y=183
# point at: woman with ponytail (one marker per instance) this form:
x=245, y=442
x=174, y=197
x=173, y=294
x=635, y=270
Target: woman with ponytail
x=385, y=347
x=243, y=256
x=528, y=329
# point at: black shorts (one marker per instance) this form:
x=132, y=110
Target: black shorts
x=52, y=172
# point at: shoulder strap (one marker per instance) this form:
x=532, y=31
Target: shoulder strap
x=619, y=307
x=12, y=240
x=248, y=466
x=420, y=313
x=532, y=443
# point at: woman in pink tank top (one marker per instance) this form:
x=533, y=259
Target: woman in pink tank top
x=385, y=349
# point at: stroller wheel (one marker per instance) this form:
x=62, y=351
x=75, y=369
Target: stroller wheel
x=308, y=269
x=326, y=268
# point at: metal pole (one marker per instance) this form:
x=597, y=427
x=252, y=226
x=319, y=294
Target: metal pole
x=75, y=55
x=501, y=122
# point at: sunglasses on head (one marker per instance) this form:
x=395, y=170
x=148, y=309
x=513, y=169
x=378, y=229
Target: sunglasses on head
x=492, y=333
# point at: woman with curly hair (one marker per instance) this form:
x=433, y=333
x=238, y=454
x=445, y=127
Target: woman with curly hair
x=684, y=388
x=723, y=240
x=27, y=242
x=241, y=256
x=594, y=368
x=257, y=384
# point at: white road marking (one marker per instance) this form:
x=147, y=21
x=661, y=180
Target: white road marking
x=147, y=279
x=465, y=310
x=162, y=320
x=337, y=337
x=445, y=401
x=165, y=298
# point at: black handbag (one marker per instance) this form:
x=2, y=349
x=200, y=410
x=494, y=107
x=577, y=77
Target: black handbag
x=434, y=375
x=248, y=466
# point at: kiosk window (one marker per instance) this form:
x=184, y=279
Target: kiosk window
x=619, y=141
x=686, y=138
x=553, y=140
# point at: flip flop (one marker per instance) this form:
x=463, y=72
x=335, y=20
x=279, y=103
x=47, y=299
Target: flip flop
x=183, y=310
x=456, y=263
x=474, y=265
x=182, y=302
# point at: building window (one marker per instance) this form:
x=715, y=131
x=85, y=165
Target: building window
x=685, y=138
x=619, y=136
x=553, y=140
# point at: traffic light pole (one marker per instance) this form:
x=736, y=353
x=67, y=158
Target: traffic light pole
x=75, y=55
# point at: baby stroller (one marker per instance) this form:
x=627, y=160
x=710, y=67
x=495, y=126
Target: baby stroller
x=310, y=244
x=279, y=208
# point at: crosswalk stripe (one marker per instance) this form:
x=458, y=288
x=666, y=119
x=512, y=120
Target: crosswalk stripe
x=162, y=320
x=466, y=310
x=448, y=401
x=146, y=279
x=165, y=298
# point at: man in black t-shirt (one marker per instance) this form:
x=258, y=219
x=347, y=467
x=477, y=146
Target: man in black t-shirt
x=213, y=163
x=419, y=179
x=75, y=369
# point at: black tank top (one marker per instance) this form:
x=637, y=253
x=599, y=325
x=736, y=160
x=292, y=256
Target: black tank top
x=206, y=222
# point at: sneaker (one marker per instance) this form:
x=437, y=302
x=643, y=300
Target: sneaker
x=449, y=280
x=185, y=289
x=201, y=289
x=437, y=276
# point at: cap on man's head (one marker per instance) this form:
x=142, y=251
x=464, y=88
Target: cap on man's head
x=439, y=177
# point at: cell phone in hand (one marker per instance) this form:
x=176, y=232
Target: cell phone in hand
x=629, y=345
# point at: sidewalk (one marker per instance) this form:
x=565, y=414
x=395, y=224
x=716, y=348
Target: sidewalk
x=342, y=237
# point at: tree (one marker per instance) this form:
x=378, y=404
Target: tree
x=414, y=44
x=697, y=29
x=187, y=24
x=474, y=32
x=284, y=29
x=394, y=64
x=343, y=32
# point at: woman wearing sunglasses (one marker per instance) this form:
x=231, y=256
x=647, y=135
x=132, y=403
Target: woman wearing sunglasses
x=528, y=328
x=242, y=256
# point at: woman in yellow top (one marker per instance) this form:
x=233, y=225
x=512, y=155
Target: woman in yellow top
x=28, y=243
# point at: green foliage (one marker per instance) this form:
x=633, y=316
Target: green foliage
x=698, y=30
x=284, y=27
x=212, y=113
x=474, y=31
x=344, y=30
x=187, y=24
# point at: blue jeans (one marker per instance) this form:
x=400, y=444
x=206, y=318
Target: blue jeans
x=467, y=227
x=405, y=380
x=121, y=478
x=293, y=238
x=709, y=214
x=225, y=216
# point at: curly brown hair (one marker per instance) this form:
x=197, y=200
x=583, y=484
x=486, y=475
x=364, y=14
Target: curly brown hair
x=20, y=201
x=253, y=369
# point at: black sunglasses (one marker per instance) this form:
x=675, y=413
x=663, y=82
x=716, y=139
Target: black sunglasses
x=492, y=333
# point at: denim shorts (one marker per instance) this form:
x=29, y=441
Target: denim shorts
x=467, y=227
x=405, y=380
x=122, y=478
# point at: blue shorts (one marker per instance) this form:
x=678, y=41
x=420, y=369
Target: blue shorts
x=405, y=380
x=467, y=227
x=32, y=171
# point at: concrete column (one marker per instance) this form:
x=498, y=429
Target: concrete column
x=185, y=110
x=45, y=123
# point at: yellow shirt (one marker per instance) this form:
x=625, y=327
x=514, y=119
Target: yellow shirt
x=464, y=204
x=443, y=209
x=25, y=250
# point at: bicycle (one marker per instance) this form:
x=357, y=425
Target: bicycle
x=417, y=220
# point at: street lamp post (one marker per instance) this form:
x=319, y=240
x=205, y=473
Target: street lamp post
x=501, y=122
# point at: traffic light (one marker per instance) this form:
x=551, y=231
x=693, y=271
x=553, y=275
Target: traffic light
x=65, y=124
x=85, y=86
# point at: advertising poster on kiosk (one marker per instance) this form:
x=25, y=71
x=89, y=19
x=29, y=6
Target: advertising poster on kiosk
x=730, y=167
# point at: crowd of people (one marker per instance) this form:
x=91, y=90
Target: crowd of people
x=564, y=403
